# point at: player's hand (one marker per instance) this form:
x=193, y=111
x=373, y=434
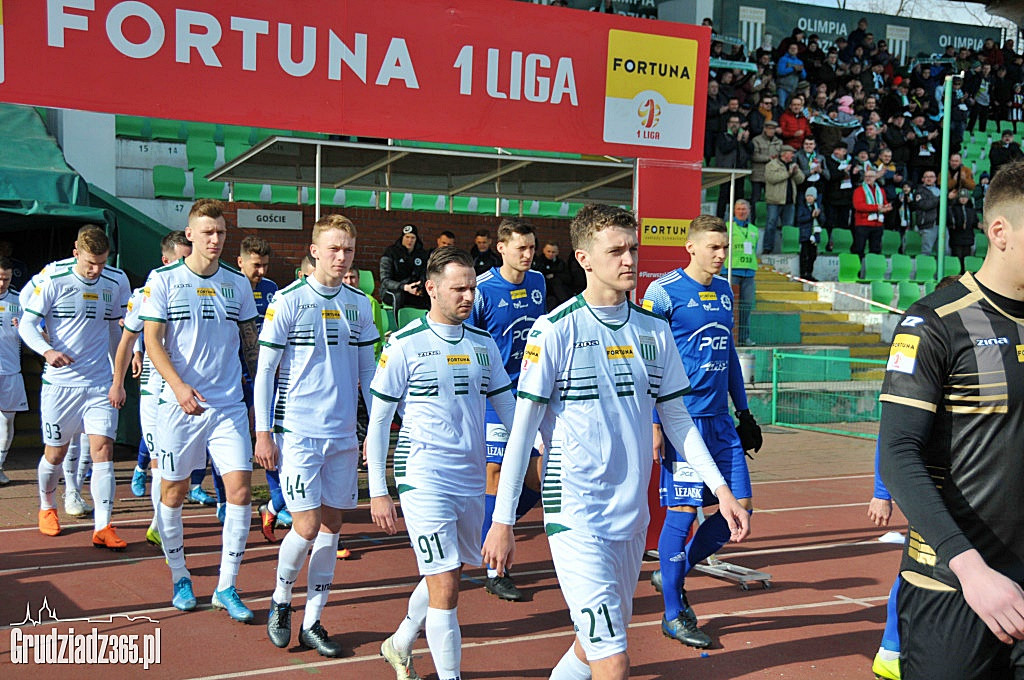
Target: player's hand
x=736, y=516
x=265, y=452
x=116, y=395
x=136, y=364
x=879, y=511
x=382, y=510
x=57, y=359
x=659, y=443
x=995, y=598
x=499, y=547
x=188, y=398
x=749, y=431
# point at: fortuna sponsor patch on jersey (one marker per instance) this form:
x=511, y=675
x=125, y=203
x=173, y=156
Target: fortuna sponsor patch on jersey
x=206, y=292
x=708, y=295
x=620, y=351
x=90, y=296
x=648, y=305
x=1020, y=354
x=531, y=353
x=330, y=314
x=383, y=361
x=270, y=315
x=458, y=359
x=903, y=354
x=517, y=294
x=257, y=295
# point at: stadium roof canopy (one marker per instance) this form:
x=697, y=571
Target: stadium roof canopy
x=429, y=168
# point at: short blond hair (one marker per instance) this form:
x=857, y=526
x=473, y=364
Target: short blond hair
x=206, y=207
x=93, y=240
x=335, y=221
x=595, y=217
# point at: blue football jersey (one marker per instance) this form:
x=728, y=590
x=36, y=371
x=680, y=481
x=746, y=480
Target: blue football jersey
x=701, y=320
x=263, y=294
x=507, y=311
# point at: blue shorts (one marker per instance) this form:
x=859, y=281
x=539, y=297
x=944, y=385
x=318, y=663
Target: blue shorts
x=496, y=437
x=680, y=484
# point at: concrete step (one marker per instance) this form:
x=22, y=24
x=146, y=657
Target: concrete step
x=822, y=317
x=870, y=352
x=841, y=338
x=779, y=286
x=794, y=306
x=867, y=374
x=834, y=327
x=786, y=296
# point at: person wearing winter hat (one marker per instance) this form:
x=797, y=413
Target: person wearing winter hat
x=402, y=271
x=809, y=217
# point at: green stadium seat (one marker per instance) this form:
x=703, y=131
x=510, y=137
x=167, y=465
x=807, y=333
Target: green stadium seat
x=407, y=315
x=842, y=240
x=509, y=207
x=980, y=245
x=360, y=199
x=874, y=267
x=132, y=127
x=890, y=242
x=237, y=133
x=790, y=240
x=233, y=148
x=167, y=130
x=951, y=266
x=924, y=268
x=912, y=243
x=901, y=266
x=882, y=292
x=168, y=182
x=849, y=268
x=909, y=292
x=366, y=281
x=202, y=130
x=390, y=322
x=929, y=287
x=973, y=263
x=474, y=205
x=284, y=194
x=200, y=152
x=249, y=193
x=207, y=189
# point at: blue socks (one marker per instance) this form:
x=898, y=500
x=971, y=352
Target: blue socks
x=891, y=636
x=488, y=511
x=709, y=538
x=671, y=544
x=222, y=496
x=197, y=476
x=527, y=499
x=144, y=458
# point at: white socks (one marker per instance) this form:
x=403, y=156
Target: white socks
x=289, y=561
x=6, y=435
x=237, y=519
x=445, y=641
x=49, y=475
x=102, y=488
x=154, y=495
x=320, y=576
x=570, y=667
x=171, y=536
x=414, y=621
x=71, y=466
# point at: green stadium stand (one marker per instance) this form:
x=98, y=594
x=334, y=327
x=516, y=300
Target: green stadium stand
x=929, y=287
x=409, y=314
x=912, y=243
x=206, y=189
x=474, y=205
x=849, y=268
x=237, y=133
x=909, y=292
x=390, y=322
x=168, y=182
x=248, y=192
x=167, y=130
x=284, y=194
x=790, y=240
x=881, y=292
x=980, y=245
x=233, y=148
x=360, y=199
x=951, y=266
x=901, y=266
x=308, y=135
x=209, y=131
x=874, y=267
x=890, y=242
x=842, y=240
x=132, y=127
x=200, y=152
x=973, y=263
x=924, y=268
x=366, y=281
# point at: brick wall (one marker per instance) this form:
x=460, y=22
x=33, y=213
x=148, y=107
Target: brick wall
x=378, y=229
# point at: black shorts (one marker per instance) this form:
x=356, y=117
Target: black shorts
x=941, y=638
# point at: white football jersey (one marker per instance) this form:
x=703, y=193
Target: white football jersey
x=68, y=262
x=150, y=381
x=321, y=331
x=442, y=384
x=78, y=313
x=601, y=382
x=10, y=341
x=202, y=314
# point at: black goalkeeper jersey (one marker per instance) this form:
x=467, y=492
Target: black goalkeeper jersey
x=959, y=354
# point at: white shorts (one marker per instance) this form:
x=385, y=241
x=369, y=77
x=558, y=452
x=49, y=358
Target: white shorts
x=184, y=440
x=444, y=530
x=598, y=578
x=12, y=393
x=317, y=472
x=148, y=405
x=66, y=412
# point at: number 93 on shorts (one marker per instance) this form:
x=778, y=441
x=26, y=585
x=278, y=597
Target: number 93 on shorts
x=67, y=411
x=444, y=530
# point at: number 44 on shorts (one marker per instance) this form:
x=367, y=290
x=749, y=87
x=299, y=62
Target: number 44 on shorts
x=296, y=488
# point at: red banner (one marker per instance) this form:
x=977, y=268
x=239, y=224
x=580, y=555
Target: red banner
x=666, y=197
x=481, y=72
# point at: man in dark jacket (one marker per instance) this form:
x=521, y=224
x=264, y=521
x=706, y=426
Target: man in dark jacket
x=557, y=278
x=401, y=271
x=1004, y=151
x=925, y=206
x=839, y=190
x=732, y=150
x=484, y=257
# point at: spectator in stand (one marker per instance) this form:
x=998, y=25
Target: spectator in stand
x=790, y=72
x=782, y=176
x=981, y=190
x=743, y=261
x=895, y=137
x=557, y=279
x=961, y=224
x=794, y=38
x=857, y=35
x=808, y=219
x=401, y=271
x=828, y=74
x=978, y=87
x=1016, y=107
x=483, y=256
x=869, y=141
x=732, y=150
x=1002, y=96
x=765, y=146
x=960, y=176
x=1002, y=152
x=921, y=140
x=812, y=165
x=925, y=206
x=445, y=238
x=992, y=54
x=764, y=112
x=794, y=127
x=869, y=207
x=716, y=107
x=839, y=191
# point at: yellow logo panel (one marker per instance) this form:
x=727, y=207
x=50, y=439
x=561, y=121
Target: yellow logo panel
x=641, y=61
x=620, y=351
x=903, y=353
x=1020, y=354
x=532, y=353
x=270, y=314
x=663, y=232
x=708, y=295
x=518, y=294
x=458, y=359
x=206, y=292
x=331, y=314
x=90, y=296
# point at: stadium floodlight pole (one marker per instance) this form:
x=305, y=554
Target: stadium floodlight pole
x=947, y=118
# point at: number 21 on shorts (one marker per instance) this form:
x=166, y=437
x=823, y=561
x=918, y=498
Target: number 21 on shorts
x=599, y=617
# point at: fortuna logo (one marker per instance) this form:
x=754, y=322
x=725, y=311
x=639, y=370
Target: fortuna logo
x=649, y=113
x=620, y=351
x=206, y=292
x=458, y=359
x=692, y=303
x=330, y=314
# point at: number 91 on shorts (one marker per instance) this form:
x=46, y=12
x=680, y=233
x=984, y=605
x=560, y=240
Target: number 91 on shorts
x=444, y=530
